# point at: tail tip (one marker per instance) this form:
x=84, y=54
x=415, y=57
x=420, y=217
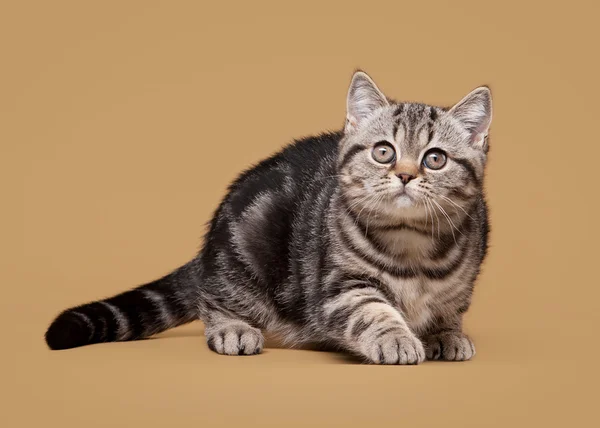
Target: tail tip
x=67, y=331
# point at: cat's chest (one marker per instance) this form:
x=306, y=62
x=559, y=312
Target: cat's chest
x=414, y=298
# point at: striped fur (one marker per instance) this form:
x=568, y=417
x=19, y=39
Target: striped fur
x=322, y=244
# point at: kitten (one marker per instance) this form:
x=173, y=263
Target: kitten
x=367, y=240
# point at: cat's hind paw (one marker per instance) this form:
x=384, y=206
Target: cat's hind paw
x=236, y=338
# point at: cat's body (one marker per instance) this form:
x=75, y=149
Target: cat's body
x=323, y=243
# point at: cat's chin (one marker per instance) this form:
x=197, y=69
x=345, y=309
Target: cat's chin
x=404, y=207
x=404, y=201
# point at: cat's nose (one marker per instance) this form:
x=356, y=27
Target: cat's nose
x=405, y=178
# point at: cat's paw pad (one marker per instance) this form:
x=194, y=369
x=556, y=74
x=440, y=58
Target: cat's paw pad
x=398, y=347
x=235, y=339
x=452, y=346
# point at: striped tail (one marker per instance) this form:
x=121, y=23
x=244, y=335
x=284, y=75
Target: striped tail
x=135, y=314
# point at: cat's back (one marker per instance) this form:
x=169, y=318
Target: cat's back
x=287, y=175
x=259, y=217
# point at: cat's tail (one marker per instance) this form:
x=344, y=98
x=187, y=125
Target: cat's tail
x=134, y=314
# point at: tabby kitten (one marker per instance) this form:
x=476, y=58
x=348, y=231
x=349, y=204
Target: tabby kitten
x=367, y=240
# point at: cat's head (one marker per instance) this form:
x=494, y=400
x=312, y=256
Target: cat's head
x=401, y=159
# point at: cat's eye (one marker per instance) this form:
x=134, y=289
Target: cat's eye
x=383, y=152
x=435, y=159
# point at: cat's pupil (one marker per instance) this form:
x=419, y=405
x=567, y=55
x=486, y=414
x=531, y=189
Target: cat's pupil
x=383, y=153
x=435, y=160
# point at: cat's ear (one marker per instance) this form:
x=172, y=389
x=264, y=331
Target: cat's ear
x=474, y=112
x=364, y=97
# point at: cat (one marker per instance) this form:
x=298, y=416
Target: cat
x=367, y=240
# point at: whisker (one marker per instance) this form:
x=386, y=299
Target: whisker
x=376, y=205
x=363, y=208
x=450, y=222
x=429, y=200
x=456, y=205
x=450, y=219
x=355, y=203
x=447, y=218
x=426, y=206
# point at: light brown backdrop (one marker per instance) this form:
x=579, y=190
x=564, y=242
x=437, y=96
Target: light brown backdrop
x=121, y=123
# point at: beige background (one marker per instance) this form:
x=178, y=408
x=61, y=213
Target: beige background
x=121, y=124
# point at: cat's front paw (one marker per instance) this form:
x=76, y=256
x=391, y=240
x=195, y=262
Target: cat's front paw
x=396, y=347
x=449, y=346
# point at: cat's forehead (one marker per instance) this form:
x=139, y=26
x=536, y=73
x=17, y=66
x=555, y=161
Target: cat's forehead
x=408, y=115
x=412, y=112
x=410, y=125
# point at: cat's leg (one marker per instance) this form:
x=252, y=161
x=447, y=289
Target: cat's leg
x=362, y=321
x=230, y=336
x=445, y=340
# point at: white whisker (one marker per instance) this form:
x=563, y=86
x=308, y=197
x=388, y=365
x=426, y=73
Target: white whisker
x=375, y=206
x=429, y=200
x=450, y=222
x=455, y=204
x=426, y=206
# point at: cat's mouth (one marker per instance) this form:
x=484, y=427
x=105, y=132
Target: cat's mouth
x=403, y=193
